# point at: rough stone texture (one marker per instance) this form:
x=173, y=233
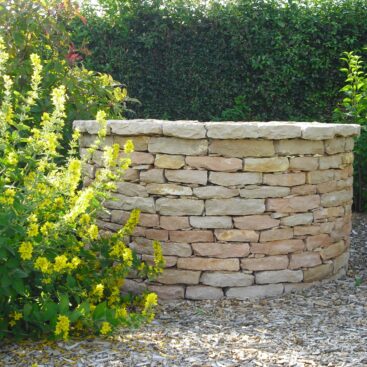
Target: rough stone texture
x=232, y=203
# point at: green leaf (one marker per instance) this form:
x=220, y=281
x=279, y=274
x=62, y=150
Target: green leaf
x=100, y=312
x=64, y=304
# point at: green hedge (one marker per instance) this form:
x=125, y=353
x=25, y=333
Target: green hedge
x=185, y=61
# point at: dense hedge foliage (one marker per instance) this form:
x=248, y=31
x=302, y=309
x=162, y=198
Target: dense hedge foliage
x=184, y=60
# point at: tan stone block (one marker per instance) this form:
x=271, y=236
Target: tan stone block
x=307, y=230
x=154, y=175
x=226, y=279
x=316, y=131
x=168, y=292
x=191, y=236
x=168, y=189
x=320, y=240
x=326, y=187
x=281, y=247
x=173, y=222
x=184, y=129
x=242, y=148
x=131, y=175
x=333, y=146
x=133, y=287
x=299, y=146
x=235, y=179
x=179, y=207
x=156, y=234
x=215, y=192
x=279, y=276
x=262, y=192
x=215, y=163
x=211, y=222
x=347, y=158
x=144, y=246
x=140, y=142
x=135, y=127
x=332, y=161
x=187, y=176
x=131, y=189
x=203, y=292
x=327, y=227
x=255, y=222
x=276, y=234
x=204, y=263
x=265, y=263
x=304, y=260
x=138, y=158
x=273, y=164
x=297, y=219
x=304, y=163
x=303, y=190
x=317, y=177
x=236, y=235
x=317, y=273
x=175, y=276
x=349, y=144
x=336, y=198
x=178, y=146
x=139, y=231
x=341, y=262
x=234, y=206
x=333, y=250
x=170, y=261
x=331, y=212
x=88, y=170
x=294, y=204
x=255, y=291
x=118, y=201
x=221, y=250
x=169, y=161
x=285, y=179
x=102, y=225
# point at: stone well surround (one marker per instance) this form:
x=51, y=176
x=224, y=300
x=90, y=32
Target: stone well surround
x=242, y=209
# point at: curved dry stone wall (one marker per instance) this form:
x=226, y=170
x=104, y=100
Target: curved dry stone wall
x=242, y=209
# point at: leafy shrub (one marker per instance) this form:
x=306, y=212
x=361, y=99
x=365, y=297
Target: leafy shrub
x=59, y=275
x=353, y=109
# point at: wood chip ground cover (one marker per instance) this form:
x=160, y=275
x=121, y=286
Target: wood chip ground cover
x=321, y=326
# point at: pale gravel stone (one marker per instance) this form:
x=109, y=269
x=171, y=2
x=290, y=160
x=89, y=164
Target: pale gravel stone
x=211, y=222
x=297, y=219
x=263, y=192
x=279, y=276
x=258, y=291
x=235, y=179
x=187, y=176
x=178, y=146
x=169, y=161
x=135, y=127
x=168, y=189
x=226, y=279
x=199, y=292
x=184, y=129
x=178, y=207
x=215, y=192
x=234, y=206
x=274, y=164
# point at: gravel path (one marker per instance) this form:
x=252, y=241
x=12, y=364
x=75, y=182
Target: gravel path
x=321, y=326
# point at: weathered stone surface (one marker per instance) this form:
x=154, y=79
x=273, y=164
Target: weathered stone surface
x=234, y=130
x=133, y=286
x=177, y=146
x=140, y=142
x=203, y=292
x=215, y=192
x=144, y=246
x=88, y=126
x=331, y=212
x=296, y=287
x=334, y=146
x=236, y=235
x=226, y=279
x=341, y=261
x=135, y=127
x=169, y=161
x=88, y=170
x=304, y=163
x=318, y=177
x=317, y=272
x=184, y=129
x=179, y=207
x=234, y=206
x=187, y=176
x=152, y=176
x=279, y=130
x=255, y=222
x=332, y=161
x=295, y=204
x=191, y=236
x=221, y=250
x=156, y=234
x=279, y=276
x=262, y=192
x=336, y=198
x=274, y=164
x=203, y=263
x=297, y=219
x=320, y=240
x=215, y=163
x=138, y=158
x=285, y=179
x=304, y=260
x=307, y=230
x=235, y=179
x=276, y=234
x=242, y=148
x=303, y=190
x=299, y=146
x=347, y=129
x=333, y=250
x=265, y=263
x=170, y=261
x=129, y=203
x=317, y=131
x=349, y=145
x=256, y=291
x=168, y=292
x=281, y=247
x=131, y=175
x=131, y=189
x=168, y=189
x=173, y=222
x=175, y=276
x=211, y=222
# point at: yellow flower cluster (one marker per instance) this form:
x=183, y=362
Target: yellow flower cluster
x=15, y=316
x=33, y=230
x=106, y=328
x=25, y=250
x=7, y=197
x=62, y=326
x=98, y=291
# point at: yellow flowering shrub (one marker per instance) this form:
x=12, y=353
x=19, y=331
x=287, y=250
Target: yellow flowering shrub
x=58, y=275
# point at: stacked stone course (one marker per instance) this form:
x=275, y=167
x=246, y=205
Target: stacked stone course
x=242, y=210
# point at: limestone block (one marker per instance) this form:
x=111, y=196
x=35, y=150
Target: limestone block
x=279, y=276
x=294, y=204
x=279, y=130
x=336, y=198
x=304, y=260
x=276, y=234
x=331, y=212
x=299, y=146
x=131, y=175
x=91, y=127
x=215, y=192
x=152, y=176
x=131, y=189
x=347, y=129
x=234, y=206
x=317, y=132
x=281, y=247
x=285, y=179
x=140, y=142
x=242, y=148
x=232, y=130
x=204, y=263
x=145, y=220
x=179, y=207
x=135, y=127
x=333, y=250
x=265, y=263
x=170, y=261
x=303, y=190
x=221, y=250
x=169, y=161
x=274, y=164
x=156, y=234
x=174, y=222
x=307, y=230
x=215, y=163
x=236, y=235
x=226, y=279
x=133, y=286
x=320, y=240
x=144, y=246
x=341, y=262
x=130, y=202
x=262, y=192
x=317, y=273
x=297, y=219
x=176, y=276
x=177, y=146
x=349, y=144
x=332, y=161
x=168, y=292
x=211, y=222
x=256, y=291
x=304, y=163
x=187, y=176
x=138, y=158
x=88, y=170
x=199, y=292
x=168, y=189
x=235, y=179
x=184, y=129
x=255, y=222
x=191, y=236
x=318, y=177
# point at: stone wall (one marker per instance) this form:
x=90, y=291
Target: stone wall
x=242, y=209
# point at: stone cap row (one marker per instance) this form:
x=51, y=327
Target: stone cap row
x=222, y=130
